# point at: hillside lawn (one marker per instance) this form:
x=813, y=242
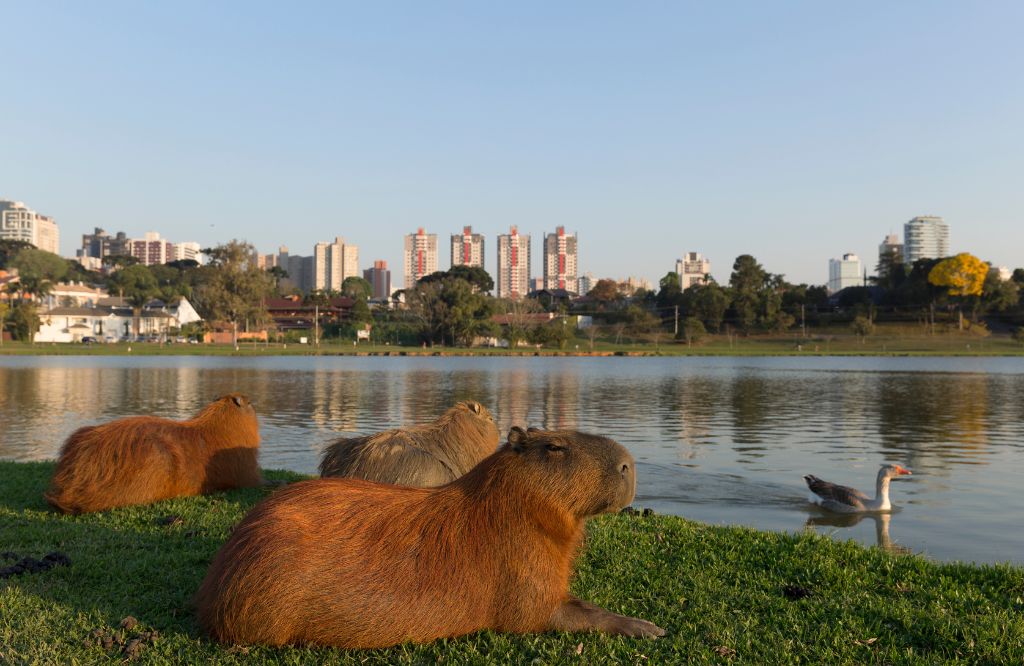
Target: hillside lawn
x=725, y=594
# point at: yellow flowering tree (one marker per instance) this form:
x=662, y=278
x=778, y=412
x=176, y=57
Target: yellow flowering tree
x=962, y=275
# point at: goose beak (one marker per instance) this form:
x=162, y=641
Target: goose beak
x=902, y=470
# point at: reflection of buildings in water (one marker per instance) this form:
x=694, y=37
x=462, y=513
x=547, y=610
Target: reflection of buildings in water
x=881, y=520
x=334, y=400
x=560, y=400
x=512, y=400
x=687, y=408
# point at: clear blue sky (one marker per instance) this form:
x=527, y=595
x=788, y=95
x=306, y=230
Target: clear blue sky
x=791, y=131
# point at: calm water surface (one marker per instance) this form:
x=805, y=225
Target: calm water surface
x=721, y=440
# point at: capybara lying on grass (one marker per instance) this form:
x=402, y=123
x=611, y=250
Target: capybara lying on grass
x=427, y=455
x=142, y=459
x=358, y=564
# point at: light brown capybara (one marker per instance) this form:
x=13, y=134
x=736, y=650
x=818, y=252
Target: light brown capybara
x=359, y=564
x=427, y=455
x=142, y=459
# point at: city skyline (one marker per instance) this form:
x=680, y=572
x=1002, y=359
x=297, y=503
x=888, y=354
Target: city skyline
x=791, y=132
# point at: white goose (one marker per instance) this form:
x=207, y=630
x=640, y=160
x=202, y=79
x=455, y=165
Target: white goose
x=843, y=499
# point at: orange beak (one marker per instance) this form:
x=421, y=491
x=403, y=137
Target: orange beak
x=902, y=470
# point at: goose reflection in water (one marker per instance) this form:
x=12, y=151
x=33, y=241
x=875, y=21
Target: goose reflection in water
x=847, y=520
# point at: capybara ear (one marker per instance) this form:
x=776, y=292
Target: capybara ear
x=475, y=406
x=533, y=429
x=237, y=399
x=517, y=438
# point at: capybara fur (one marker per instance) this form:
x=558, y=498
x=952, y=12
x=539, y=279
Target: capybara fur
x=142, y=459
x=427, y=455
x=358, y=564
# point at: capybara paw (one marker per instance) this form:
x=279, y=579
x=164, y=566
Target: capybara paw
x=637, y=628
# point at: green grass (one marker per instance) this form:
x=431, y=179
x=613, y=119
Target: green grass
x=719, y=591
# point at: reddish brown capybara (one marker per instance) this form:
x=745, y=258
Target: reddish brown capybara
x=142, y=459
x=359, y=564
x=427, y=455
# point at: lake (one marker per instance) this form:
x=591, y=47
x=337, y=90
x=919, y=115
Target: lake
x=722, y=440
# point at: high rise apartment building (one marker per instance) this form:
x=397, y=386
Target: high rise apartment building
x=18, y=222
x=151, y=249
x=513, y=276
x=692, y=269
x=845, y=272
x=560, y=260
x=299, y=269
x=333, y=262
x=467, y=248
x=379, y=278
x=925, y=237
x=420, y=257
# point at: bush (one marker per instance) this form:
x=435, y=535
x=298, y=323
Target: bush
x=1018, y=335
x=692, y=330
x=862, y=327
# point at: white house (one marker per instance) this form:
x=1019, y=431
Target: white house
x=112, y=321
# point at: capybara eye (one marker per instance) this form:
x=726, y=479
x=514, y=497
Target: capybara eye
x=554, y=447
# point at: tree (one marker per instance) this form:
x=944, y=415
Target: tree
x=475, y=276
x=4, y=309
x=25, y=321
x=693, y=330
x=604, y=293
x=1018, y=335
x=862, y=327
x=708, y=302
x=1018, y=276
x=748, y=280
x=963, y=276
x=10, y=248
x=236, y=289
x=997, y=294
x=890, y=271
x=356, y=288
x=669, y=292
x=38, y=270
x=519, y=318
x=116, y=261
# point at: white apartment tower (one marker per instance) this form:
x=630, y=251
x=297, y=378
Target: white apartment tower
x=420, y=256
x=513, y=264
x=18, y=222
x=925, y=237
x=845, y=272
x=692, y=269
x=560, y=260
x=467, y=248
x=333, y=262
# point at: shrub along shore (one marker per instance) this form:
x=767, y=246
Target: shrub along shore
x=723, y=593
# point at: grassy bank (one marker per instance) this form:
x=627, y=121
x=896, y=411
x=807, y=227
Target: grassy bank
x=723, y=594
x=893, y=343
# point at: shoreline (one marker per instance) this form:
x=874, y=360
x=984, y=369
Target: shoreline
x=721, y=592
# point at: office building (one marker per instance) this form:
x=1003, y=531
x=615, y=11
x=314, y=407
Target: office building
x=100, y=244
x=925, y=237
x=420, y=257
x=692, y=269
x=151, y=249
x=560, y=260
x=467, y=248
x=379, y=278
x=299, y=269
x=845, y=272
x=18, y=222
x=333, y=262
x=513, y=278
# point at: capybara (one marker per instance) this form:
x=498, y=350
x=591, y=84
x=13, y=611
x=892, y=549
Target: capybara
x=359, y=564
x=142, y=459
x=427, y=455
